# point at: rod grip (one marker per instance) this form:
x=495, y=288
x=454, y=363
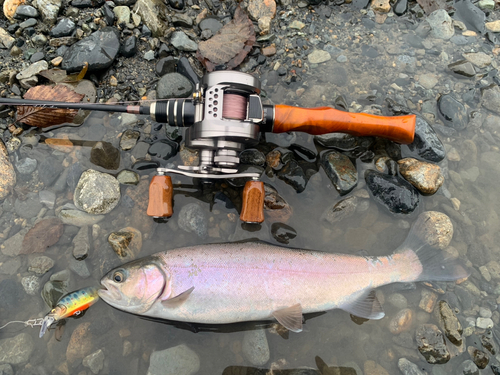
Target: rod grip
x=322, y=120
x=160, y=197
x=252, y=210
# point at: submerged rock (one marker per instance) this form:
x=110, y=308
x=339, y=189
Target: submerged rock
x=450, y=324
x=479, y=357
x=452, y=112
x=473, y=17
x=126, y=242
x=431, y=344
x=340, y=210
x=105, y=155
x=7, y=173
x=409, y=368
x=398, y=195
x=283, y=233
x=192, y=218
x=45, y=233
x=179, y=360
x=255, y=347
x=96, y=192
x=434, y=228
x=275, y=207
x=49, y=10
x=16, y=350
x=294, y=176
x=99, y=49
x=426, y=177
x=426, y=143
x=340, y=170
x=441, y=24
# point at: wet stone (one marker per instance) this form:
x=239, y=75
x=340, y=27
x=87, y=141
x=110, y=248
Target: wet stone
x=145, y=165
x=441, y=24
x=409, y=368
x=318, y=56
x=373, y=368
x=473, y=17
x=449, y=323
x=81, y=244
x=16, y=350
x=210, y=23
x=340, y=170
x=96, y=192
x=31, y=284
x=164, y=149
x=400, y=7
x=255, y=347
x=178, y=360
x=40, y=265
x=166, y=65
x=431, y=344
x=467, y=368
x=452, y=112
x=64, y=27
x=479, y=357
x=398, y=195
x=434, y=228
x=174, y=85
x=490, y=98
x=192, y=218
x=129, y=47
x=80, y=344
x=7, y=173
x=185, y=68
x=127, y=242
x=283, y=233
x=401, y=322
x=126, y=177
x=99, y=50
x=105, y=155
x=6, y=369
x=488, y=342
x=340, y=210
x=276, y=208
x=462, y=68
x=79, y=267
x=109, y=15
x=294, y=176
x=252, y=157
x=25, y=11
x=29, y=207
x=426, y=143
x=426, y=177
x=129, y=139
x=182, y=42
x=94, y=361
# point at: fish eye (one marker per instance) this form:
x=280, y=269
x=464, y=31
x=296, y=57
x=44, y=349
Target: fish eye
x=118, y=276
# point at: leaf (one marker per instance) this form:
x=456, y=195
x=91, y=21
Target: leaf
x=230, y=45
x=9, y=8
x=60, y=75
x=43, y=117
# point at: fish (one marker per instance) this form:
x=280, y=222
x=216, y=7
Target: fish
x=71, y=304
x=237, y=282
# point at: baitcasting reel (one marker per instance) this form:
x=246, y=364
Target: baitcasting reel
x=224, y=116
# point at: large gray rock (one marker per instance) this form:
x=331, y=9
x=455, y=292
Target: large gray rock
x=49, y=10
x=255, y=347
x=174, y=85
x=99, y=50
x=441, y=24
x=96, y=192
x=16, y=350
x=179, y=360
x=153, y=14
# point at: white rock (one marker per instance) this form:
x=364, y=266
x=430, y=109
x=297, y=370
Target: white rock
x=484, y=323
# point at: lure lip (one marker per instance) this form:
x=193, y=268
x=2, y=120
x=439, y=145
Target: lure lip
x=46, y=323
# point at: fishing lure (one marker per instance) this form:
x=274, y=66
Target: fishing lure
x=71, y=304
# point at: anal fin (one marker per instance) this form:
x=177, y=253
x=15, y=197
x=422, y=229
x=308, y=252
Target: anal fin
x=290, y=317
x=366, y=306
x=178, y=299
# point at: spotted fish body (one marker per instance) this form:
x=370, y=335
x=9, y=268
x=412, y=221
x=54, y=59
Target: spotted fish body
x=71, y=304
x=226, y=283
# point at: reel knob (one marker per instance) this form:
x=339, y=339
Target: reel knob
x=252, y=210
x=160, y=197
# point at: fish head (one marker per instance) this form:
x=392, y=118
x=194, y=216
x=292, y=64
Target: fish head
x=135, y=286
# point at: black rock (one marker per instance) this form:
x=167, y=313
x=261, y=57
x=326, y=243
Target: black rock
x=145, y=165
x=393, y=192
x=426, y=143
x=29, y=32
x=176, y=4
x=473, y=17
x=64, y=27
x=283, y=233
x=164, y=149
x=253, y=157
x=343, y=141
x=25, y=11
x=294, y=176
x=431, y=344
x=13, y=28
x=166, y=65
x=164, y=51
x=462, y=68
x=99, y=50
x=129, y=46
x=49, y=169
x=174, y=85
x=210, y=23
x=185, y=68
x=303, y=152
x=145, y=31
x=400, y=7
x=88, y=3
x=340, y=170
x=109, y=15
x=105, y=155
x=452, y=112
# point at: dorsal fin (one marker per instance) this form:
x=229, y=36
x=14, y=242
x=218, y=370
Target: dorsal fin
x=366, y=306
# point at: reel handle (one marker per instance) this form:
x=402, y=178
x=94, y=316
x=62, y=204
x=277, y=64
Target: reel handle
x=160, y=196
x=252, y=209
x=322, y=120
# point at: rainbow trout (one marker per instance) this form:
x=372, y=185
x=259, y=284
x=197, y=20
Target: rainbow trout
x=227, y=283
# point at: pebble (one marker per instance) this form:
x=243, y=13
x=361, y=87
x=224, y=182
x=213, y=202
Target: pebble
x=318, y=56
x=81, y=244
x=192, y=218
x=65, y=27
x=462, y=68
x=7, y=173
x=182, y=42
x=479, y=357
x=409, y=368
x=126, y=177
x=479, y=59
x=484, y=323
x=426, y=177
x=31, y=285
x=40, y=265
x=73, y=216
x=255, y=347
x=126, y=242
x=434, y=228
x=441, y=24
x=80, y=344
x=96, y=192
x=493, y=26
x=283, y=233
x=105, y=155
x=340, y=170
x=340, y=210
x=431, y=344
x=16, y=350
x=293, y=175
x=426, y=143
x=450, y=323
x=94, y=361
x=452, y=112
x=401, y=322
x=174, y=85
x=178, y=360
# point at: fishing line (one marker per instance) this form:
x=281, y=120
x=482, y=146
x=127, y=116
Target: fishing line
x=31, y=322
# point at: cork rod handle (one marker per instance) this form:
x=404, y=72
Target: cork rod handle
x=160, y=197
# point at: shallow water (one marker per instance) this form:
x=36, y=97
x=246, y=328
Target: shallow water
x=127, y=341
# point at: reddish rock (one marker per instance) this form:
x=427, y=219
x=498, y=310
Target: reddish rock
x=80, y=344
x=45, y=233
x=401, y=322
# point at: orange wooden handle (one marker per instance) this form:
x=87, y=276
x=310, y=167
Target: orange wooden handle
x=252, y=210
x=324, y=120
x=160, y=197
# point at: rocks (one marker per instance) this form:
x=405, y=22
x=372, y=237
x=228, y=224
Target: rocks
x=7, y=173
x=493, y=26
x=16, y=350
x=452, y=112
x=179, y=360
x=182, y=42
x=6, y=41
x=431, y=344
x=479, y=59
x=49, y=10
x=490, y=98
x=126, y=177
x=255, y=347
x=126, y=242
x=441, y=24
x=174, y=85
x=318, y=56
x=434, y=228
x=401, y=322
x=65, y=27
x=80, y=344
x=426, y=177
x=283, y=233
x=426, y=143
x=129, y=139
x=192, y=218
x=340, y=171
x=81, y=244
x=449, y=323
x=33, y=69
x=40, y=265
x=104, y=154
x=293, y=175
x=373, y=368
x=468, y=368
x=45, y=233
x=72, y=216
x=462, y=68
x=394, y=193
x=479, y=357
x=96, y=192
x=262, y=11
x=94, y=361
x=153, y=14
x=99, y=49
x=31, y=284
x=340, y=210
x=409, y=368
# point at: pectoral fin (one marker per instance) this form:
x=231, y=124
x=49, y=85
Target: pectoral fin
x=290, y=317
x=178, y=299
x=366, y=306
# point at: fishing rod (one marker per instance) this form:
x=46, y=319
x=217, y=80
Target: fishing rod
x=224, y=115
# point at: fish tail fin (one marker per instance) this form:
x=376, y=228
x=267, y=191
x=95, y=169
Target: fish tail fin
x=423, y=262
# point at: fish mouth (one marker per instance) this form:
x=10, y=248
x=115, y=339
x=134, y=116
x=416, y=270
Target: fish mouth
x=109, y=293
